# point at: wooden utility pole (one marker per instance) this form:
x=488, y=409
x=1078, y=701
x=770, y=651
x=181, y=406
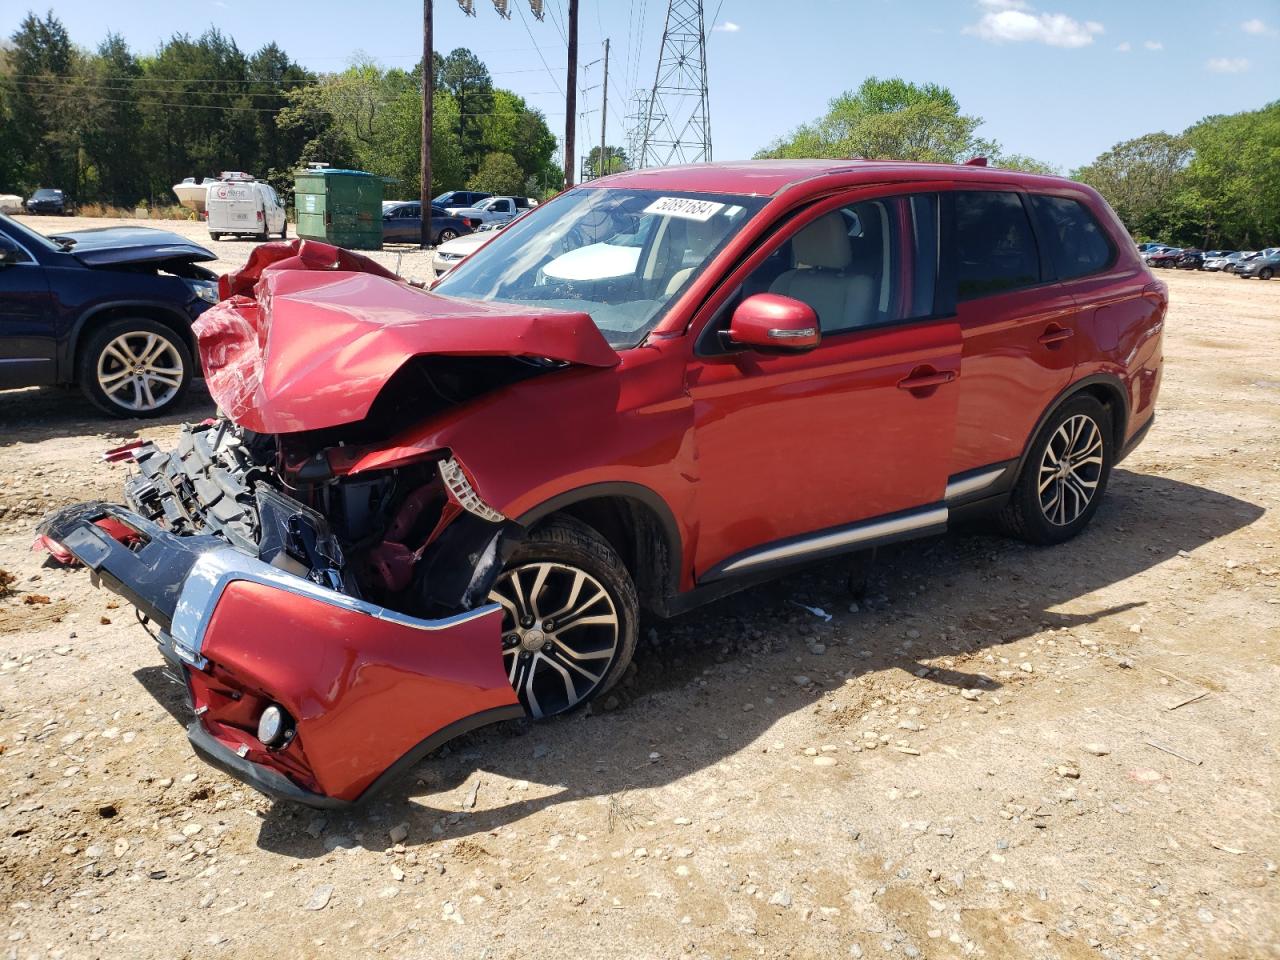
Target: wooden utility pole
x=428, y=97
x=601, y=167
x=571, y=96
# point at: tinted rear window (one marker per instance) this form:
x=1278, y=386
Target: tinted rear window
x=1077, y=242
x=995, y=246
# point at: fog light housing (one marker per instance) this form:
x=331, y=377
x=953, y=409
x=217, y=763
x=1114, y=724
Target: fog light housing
x=272, y=726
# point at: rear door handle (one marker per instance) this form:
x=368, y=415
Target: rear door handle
x=920, y=380
x=1055, y=335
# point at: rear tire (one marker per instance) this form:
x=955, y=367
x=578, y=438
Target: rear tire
x=1265, y=273
x=570, y=617
x=135, y=367
x=1064, y=476
x=445, y=235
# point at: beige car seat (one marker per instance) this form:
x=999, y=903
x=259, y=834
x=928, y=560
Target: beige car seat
x=824, y=276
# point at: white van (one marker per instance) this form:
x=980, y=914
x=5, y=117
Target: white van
x=244, y=208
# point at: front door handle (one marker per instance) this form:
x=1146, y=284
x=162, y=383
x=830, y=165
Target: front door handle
x=1055, y=335
x=925, y=378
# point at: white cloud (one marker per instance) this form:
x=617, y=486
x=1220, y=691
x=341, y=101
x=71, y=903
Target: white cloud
x=1124, y=47
x=1014, y=21
x=1227, y=64
x=1256, y=26
x=1153, y=44
x=727, y=26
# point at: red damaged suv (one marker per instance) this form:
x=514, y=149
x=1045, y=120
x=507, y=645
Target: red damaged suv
x=419, y=512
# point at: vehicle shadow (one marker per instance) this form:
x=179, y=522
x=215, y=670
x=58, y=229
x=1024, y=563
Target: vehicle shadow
x=54, y=413
x=684, y=707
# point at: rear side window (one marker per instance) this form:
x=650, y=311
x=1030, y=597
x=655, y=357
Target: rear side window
x=995, y=246
x=1077, y=243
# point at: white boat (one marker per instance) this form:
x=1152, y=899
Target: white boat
x=191, y=193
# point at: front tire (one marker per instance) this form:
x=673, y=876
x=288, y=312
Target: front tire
x=570, y=617
x=1265, y=273
x=135, y=367
x=1064, y=475
x=446, y=235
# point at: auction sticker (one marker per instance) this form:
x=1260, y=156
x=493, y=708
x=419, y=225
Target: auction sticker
x=684, y=208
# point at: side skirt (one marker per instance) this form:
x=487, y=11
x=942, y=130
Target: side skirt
x=985, y=486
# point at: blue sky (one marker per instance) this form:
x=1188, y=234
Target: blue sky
x=1056, y=79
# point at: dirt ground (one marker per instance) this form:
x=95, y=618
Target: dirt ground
x=999, y=751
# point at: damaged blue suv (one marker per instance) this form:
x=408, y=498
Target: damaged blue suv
x=109, y=309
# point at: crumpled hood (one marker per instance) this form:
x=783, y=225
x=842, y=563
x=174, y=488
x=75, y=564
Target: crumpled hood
x=108, y=246
x=310, y=334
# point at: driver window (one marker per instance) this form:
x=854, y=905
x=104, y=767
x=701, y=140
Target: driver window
x=864, y=265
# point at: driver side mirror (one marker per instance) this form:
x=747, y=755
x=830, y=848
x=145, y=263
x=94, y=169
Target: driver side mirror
x=772, y=322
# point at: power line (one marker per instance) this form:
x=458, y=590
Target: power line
x=68, y=95
x=554, y=81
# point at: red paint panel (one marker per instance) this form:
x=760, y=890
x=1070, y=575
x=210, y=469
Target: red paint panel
x=315, y=347
x=1009, y=376
x=794, y=443
x=363, y=690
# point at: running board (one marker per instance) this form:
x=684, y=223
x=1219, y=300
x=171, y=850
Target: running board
x=815, y=546
x=962, y=488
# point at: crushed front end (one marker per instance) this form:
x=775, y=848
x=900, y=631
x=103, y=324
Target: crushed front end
x=330, y=618
x=304, y=682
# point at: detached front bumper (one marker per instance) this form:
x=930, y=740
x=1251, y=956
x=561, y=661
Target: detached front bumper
x=365, y=692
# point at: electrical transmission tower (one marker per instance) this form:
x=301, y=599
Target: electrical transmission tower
x=677, y=125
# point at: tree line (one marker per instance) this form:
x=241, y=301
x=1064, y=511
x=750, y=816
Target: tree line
x=1215, y=185
x=113, y=126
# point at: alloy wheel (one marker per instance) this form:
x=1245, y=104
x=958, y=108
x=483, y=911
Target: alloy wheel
x=140, y=370
x=1070, y=470
x=560, y=633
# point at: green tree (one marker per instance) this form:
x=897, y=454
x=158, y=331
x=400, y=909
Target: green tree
x=197, y=115
x=889, y=119
x=40, y=90
x=1139, y=177
x=464, y=76
x=113, y=141
x=499, y=173
x=1018, y=161
x=615, y=161
x=1230, y=190
x=513, y=127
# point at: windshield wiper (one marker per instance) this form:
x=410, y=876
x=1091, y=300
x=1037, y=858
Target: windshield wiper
x=66, y=243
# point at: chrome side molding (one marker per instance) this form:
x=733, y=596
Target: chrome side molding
x=934, y=516
x=974, y=482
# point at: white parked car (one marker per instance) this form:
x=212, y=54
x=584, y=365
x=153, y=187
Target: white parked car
x=247, y=208
x=1220, y=261
x=495, y=209
x=452, y=252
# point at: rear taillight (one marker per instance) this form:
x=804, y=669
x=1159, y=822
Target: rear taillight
x=259, y=216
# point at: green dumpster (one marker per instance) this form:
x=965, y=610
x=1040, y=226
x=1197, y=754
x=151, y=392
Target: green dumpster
x=342, y=207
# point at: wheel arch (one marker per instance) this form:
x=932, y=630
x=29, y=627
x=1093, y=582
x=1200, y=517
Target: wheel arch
x=636, y=521
x=1107, y=389
x=162, y=313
